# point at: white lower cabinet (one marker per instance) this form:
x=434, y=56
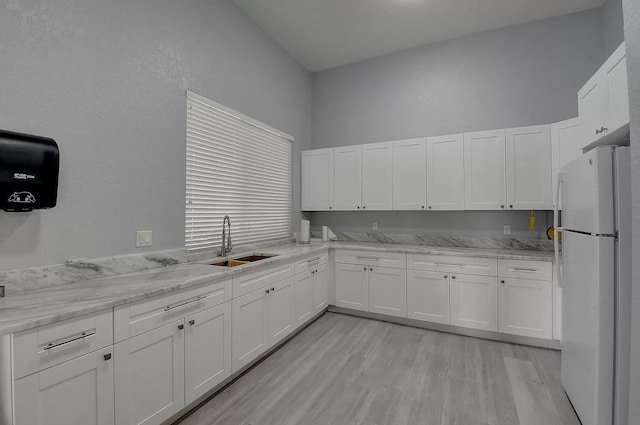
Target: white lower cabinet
x=388, y=291
x=303, y=297
x=352, y=286
x=320, y=289
x=149, y=376
x=525, y=307
x=250, y=334
x=77, y=392
x=280, y=310
x=311, y=294
x=428, y=296
x=474, y=301
x=260, y=320
x=207, y=350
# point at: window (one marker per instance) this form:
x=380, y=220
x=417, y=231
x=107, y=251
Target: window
x=239, y=167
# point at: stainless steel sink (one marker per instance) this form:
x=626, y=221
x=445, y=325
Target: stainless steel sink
x=235, y=262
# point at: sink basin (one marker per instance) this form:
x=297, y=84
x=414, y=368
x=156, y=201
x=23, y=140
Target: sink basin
x=242, y=260
x=229, y=263
x=255, y=257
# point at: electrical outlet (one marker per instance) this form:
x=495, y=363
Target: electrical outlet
x=375, y=225
x=143, y=238
x=507, y=229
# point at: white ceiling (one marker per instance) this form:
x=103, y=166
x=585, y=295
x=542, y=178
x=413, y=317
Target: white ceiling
x=322, y=34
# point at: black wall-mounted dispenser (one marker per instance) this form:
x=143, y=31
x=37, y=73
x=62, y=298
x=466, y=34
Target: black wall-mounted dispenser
x=29, y=168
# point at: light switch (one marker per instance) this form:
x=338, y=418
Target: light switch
x=143, y=238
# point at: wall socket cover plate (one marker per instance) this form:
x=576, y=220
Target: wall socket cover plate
x=507, y=229
x=143, y=238
x=375, y=225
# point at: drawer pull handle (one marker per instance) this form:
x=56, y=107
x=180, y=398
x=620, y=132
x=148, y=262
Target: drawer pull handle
x=516, y=269
x=183, y=304
x=454, y=265
x=313, y=259
x=84, y=335
x=368, y=258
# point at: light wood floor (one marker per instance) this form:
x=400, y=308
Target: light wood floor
x=345, y=370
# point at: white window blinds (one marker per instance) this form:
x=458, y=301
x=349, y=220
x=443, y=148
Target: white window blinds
x=239, y=167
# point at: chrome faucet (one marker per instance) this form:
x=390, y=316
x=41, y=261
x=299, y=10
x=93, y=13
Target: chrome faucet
x=226, y=246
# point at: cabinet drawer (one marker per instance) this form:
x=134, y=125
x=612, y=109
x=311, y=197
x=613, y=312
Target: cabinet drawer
x=142, y=316
x=311, y=261
x=248, y=282
x=47, y=346
x=453, y=264
x=371, y=258
x=524, y=269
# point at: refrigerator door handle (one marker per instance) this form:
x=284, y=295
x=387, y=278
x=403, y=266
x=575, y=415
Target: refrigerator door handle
x=556, y=231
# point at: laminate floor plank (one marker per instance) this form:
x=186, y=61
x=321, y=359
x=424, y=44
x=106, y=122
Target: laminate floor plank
x=344, y=370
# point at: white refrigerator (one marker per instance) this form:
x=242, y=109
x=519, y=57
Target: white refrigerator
x=594, y=271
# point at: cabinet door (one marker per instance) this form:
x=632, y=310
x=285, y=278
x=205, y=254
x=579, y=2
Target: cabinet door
x=592, y=109
x=149, y=376
x=617, y=99
x=484, y=170
x=388, y=291
x=445, y=172
x=352, y=286
x=281, y=321
x=320, y=289
x=566, y=145
x=207, y=350
x=303, y=297
x=250, y=334
x=77, y=392
x=474, y=301
x=529, y=168
x=428, y=296
x=409, y=174
x=317, y=180
x=525, y=307
x=377, y=176
x=347, y=186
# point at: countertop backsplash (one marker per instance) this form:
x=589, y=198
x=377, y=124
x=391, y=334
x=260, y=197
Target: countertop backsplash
x=443, y=241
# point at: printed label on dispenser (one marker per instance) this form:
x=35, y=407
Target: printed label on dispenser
x=22, y=198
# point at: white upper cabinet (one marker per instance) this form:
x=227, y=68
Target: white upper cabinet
x=377, y=176
x=409, y=174
x=445, y=172
x=484, y=170
x=317, y=180
x=614, y=73
x=528, y=168
x=566, y=145
x=591, y=109
x=347, y=186
x=603, y=102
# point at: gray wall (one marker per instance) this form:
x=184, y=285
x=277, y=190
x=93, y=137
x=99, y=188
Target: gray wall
x=524, y=75
x=107, y=80
x=438, y=223
x=612, y=26
x=632, y=39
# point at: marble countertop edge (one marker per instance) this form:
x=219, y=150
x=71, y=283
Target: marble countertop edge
x=40, y=307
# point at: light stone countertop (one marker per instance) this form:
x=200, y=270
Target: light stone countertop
x=39, y=307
